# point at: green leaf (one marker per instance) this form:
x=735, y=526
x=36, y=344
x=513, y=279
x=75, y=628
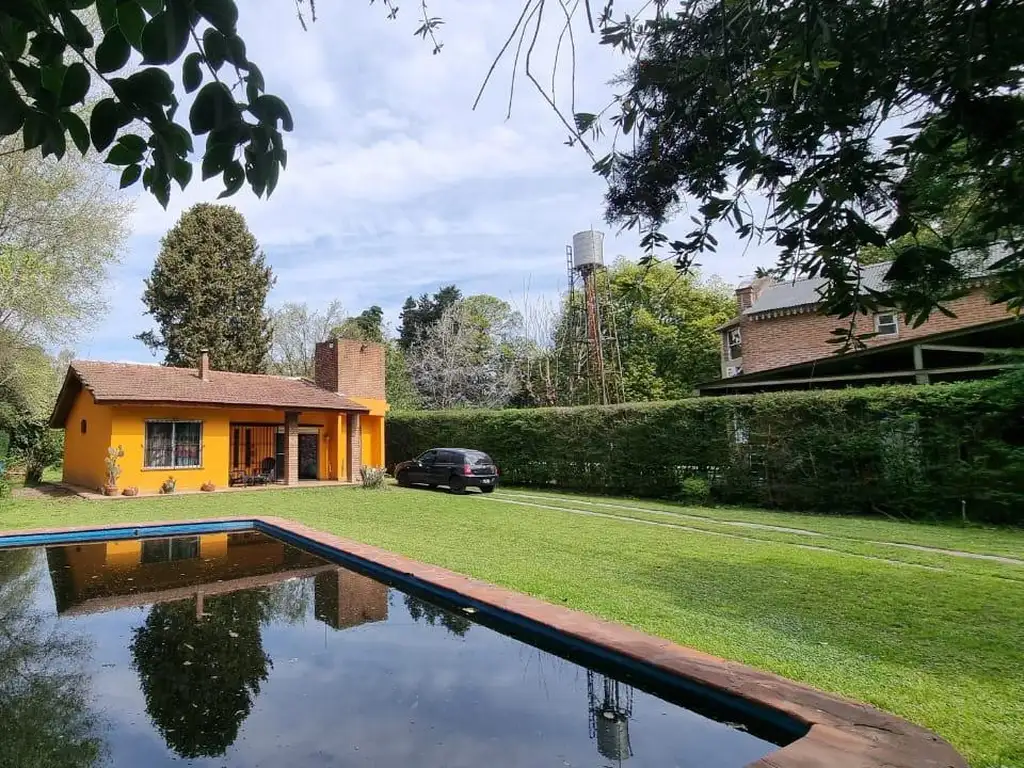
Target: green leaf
x=28, y=77
x=54, y=143
x=123, y=154
x=164, y=38
x=104, y=123
x=52, y=77
x=182, y=172
x=216, y=159
x=76, y=127
x=222, y=14
x=254, y=84
x=32, y=132
x=76, y=84
x=234, y=178
x=13, y=37
x=269, y=109
x=236, y=51
x=192, y=72
x=112, y=54
x=213, y=107
x=130, y=175
x=152, y=7
x=75, y=31
x=132, y=21
x=107, y=12
x=134, y=142
x=215, y=48
x=12, y=108
x=47, y=46
x=152, y=85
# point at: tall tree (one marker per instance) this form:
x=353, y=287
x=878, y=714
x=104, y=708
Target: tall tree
x=418, y=315
x=208, y=290
x=855, y=124
x=465, y=358
x=368, y=325
x=296, y=330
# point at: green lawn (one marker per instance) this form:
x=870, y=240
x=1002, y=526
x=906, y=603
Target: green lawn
x=941, y=645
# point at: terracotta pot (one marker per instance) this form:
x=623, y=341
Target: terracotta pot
x=130, y=492
x=110, y=490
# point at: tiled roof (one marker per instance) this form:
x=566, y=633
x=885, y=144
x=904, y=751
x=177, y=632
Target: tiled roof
x=807, y=293
x=136, y=383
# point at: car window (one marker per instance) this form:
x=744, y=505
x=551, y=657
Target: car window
x=477, y=457
x=448, y=457
x=428, y=457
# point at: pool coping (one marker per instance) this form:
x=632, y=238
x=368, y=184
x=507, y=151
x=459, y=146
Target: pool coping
x=841, y=733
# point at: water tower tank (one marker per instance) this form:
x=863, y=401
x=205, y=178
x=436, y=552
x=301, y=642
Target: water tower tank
x=587, y=249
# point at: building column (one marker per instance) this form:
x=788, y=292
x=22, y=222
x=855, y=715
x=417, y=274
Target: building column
x=291, y=448
x=922, y=377
x=354, y=440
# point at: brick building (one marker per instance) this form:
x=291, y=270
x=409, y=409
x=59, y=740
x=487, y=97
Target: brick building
x=779, y=339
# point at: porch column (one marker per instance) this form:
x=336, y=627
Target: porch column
x=922, y=377
x=354, y=440
x=291, y=448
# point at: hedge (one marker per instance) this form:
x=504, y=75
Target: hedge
x=937, y=451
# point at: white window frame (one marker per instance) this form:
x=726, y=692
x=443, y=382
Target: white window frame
x=729, y=345
x=174, y=432
x=895, y=324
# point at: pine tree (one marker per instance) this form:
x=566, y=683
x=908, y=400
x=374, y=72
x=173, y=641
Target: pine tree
x=208, y=290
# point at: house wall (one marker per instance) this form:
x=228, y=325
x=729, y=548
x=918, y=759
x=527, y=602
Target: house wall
x=128, y=430
x=773, y=342
x=84, y=454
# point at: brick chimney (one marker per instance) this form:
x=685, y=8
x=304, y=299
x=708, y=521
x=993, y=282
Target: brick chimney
x=204, y=364
x=352, y=368
x=748, y=291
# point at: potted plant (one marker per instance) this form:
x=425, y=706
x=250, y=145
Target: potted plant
x=131, y=490
x=169, y=485
x=113, y=471
x=208, y=486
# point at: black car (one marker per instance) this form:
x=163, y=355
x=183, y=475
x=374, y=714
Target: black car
x=457, y=468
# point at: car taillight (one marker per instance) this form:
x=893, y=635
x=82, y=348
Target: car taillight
x=467, y=470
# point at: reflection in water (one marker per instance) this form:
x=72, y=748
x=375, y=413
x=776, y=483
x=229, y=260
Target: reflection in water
x=243, y=653
x=45, y=719
x=421, y=610
x=611, y=707
x=201, y=671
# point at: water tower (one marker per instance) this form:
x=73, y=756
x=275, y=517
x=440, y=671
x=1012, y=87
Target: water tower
x=611, y=707
x=595, y=375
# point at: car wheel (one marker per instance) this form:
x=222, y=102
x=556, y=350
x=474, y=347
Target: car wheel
x=487, y=488
x=457, y=484
x=402, y=479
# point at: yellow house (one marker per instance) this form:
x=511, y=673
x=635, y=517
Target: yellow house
x=199, y=425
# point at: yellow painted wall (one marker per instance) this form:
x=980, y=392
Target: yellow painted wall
x=125, y=426
x=372, y=428
x=84, y=454
x=373, y=440
x=124, y=554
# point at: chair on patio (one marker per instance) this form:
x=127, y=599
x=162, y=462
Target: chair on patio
x=267, y=473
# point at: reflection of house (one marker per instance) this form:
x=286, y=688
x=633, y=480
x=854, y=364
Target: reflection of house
x=344, y=599
x=204, y=425
x=780, y=340
x=89, y=578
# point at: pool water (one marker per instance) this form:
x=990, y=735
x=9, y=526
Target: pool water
x=236, y=649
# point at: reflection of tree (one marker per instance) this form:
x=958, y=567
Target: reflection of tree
x=44, y=714
x=289, y=601
x=433, y=615
x=200, y=676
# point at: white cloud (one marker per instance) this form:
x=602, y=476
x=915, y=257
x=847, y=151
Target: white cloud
x=394, y=185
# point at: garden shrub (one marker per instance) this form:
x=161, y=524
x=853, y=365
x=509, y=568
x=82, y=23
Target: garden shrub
x=372, y=477
x=921, y=452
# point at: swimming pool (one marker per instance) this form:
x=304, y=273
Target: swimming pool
x=245, y=643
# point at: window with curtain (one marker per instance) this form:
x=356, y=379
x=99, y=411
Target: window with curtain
x=173, y=444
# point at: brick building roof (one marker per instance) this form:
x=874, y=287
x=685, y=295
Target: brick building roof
x=111, y=383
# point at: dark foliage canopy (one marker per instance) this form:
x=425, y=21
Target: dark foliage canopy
x=50, y=61
x=200, y=675
x=418, y=315
x=208, y=290
x=826, y=127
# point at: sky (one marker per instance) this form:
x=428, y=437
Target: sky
x=395, y=185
